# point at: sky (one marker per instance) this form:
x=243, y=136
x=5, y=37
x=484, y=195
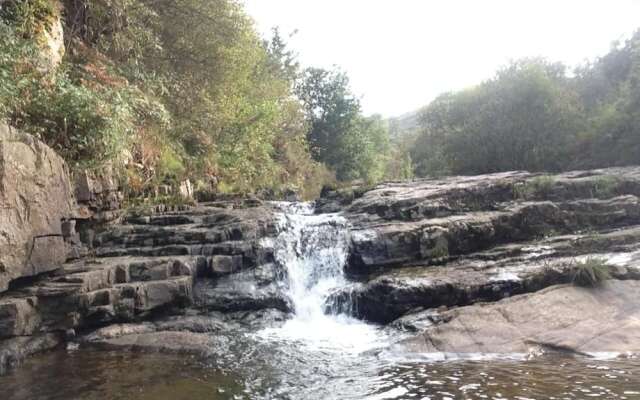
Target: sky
x=401, y=54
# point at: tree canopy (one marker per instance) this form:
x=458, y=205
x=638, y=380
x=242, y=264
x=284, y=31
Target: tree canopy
x=175, y=88
x=534, y=115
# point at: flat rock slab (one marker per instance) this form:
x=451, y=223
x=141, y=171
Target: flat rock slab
x=165, y=341
x=565, y=317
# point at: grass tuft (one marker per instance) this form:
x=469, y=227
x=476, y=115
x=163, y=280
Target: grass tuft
x=591, y=272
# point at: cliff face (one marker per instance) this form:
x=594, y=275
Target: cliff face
x=35, y=201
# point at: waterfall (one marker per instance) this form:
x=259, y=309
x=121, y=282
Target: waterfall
x=312, y=249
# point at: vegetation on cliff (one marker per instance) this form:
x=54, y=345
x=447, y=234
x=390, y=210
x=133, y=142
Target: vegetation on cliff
x=165, y=90
x=173, y=89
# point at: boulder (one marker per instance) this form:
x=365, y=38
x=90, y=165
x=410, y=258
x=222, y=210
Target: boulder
x=35, y=199
x=564, y=317
x=248, y=290
x=222, y=265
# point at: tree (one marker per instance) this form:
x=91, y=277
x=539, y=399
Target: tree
x=354, y=146
x=525, y=118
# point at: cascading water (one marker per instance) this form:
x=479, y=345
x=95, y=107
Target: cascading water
x=312, y=250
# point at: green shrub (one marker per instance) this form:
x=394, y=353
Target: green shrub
x=591, y=272
x=540, y=186
x=605, y=186
x=28, y=16
x=85, y=125
x=17, y=56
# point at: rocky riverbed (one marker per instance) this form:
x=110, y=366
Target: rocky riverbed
x=443, y=268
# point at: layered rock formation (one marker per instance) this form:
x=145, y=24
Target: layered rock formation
x=147, y=267
x=56, y=283
x=422, y=248
x=454, y=261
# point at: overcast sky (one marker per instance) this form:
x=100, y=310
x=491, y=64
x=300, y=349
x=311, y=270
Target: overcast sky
x=400, y=54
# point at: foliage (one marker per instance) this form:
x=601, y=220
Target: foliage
x=606, y=186
x=591, y=272
x=539, y=186
x=356, y=147
x=532, y=115
x=523, y=119
x=165, y=89
x=16, y=58
x=29, y=17
x=168, y=89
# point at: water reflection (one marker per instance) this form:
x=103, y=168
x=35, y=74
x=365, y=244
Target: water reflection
x=292, y=374
x=103, y=375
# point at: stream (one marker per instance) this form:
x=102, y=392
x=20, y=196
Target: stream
x=316, y=354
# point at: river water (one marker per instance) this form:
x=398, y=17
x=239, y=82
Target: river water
x=317, y=354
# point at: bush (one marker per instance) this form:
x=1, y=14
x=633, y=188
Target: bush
x=606, y=186
x=17, y=56
x=540, y=186
x=88, y=126
x=591, y=272
x=28, y=16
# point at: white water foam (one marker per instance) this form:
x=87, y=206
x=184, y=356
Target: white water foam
x=313, y=251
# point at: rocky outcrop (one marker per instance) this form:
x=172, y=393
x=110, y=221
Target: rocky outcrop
x=13, y=351
x=490, y=275
x=119, y=269
x=52, y=42
x=98, y=196
x=433, y=221
x=35, y=203
x=428, y=253
x=205, y=258
x=560, y=318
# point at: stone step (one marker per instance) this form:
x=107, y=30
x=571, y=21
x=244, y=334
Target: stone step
x=437, y=198
x=162, y=220
x=436, y=240
x=488, y=276
x=387, y=298
x=252, y=254
x=136, y=236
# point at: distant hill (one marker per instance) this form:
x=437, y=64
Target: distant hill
x=405, y=124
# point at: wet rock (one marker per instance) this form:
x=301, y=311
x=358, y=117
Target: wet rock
x=165, y=341
x=244, y=291
x=576, y=319
x=222, y=265
x=260, y=319
x=492, y=275
x=118, y=330
x=18, y=317
x=152, y=295
x=211, y=322
x=15, y=350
